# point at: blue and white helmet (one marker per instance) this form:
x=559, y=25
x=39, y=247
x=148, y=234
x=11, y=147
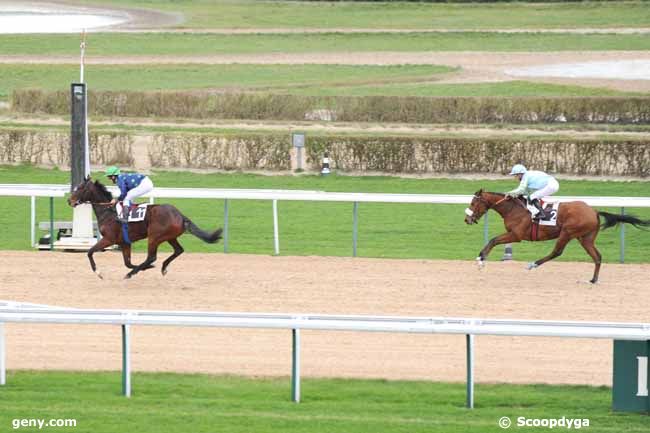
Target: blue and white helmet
x=518, y=169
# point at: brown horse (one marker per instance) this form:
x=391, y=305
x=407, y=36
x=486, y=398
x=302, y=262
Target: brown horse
x=575, y=220
x=162, y=223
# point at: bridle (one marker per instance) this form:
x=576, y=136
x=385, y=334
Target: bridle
x=469, y=212
x=100, y=203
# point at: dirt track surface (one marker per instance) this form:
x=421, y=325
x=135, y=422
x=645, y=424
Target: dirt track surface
x=327, y=285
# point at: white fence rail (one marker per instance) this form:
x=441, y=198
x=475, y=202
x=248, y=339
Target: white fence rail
x=32, y=313
x=298, y=195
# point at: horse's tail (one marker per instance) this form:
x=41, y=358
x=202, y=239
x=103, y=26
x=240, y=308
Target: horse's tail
x=612, y=220
x=208, y=237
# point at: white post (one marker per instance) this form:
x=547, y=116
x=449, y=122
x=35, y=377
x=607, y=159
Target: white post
x=276, y=235
x=470, y=370
x=32, y=220
x=295, y=366
x=126, y=361
x=3, y=359
x=81, y=80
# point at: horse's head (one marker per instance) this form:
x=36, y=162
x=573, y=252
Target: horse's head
x=477, y=208
x=88, y=192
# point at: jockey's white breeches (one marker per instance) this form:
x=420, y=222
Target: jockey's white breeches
x=551, y=188
x=145, y=186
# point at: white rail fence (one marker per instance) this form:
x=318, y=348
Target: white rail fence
x=11, y=312
x=53, y=191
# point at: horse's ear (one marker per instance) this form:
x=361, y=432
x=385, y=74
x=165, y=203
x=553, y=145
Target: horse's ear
x=87, y=178
x=479, y=192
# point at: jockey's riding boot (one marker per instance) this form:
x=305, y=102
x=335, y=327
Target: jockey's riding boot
x=123, y=219
x=542, y=214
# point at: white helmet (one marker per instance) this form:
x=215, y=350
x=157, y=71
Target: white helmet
x=518, y=169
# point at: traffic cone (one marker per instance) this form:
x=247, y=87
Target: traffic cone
x=325, y=170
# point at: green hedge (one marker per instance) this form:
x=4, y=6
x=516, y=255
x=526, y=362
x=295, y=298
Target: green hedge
x=52, y=148
x=421, y=155
x=348, y=153
x=215, y=151
x=255, y=106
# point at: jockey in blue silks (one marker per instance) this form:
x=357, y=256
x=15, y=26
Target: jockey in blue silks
x=131, y=185
x=535, y=183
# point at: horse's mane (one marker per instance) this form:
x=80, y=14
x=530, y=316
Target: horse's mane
x=101, y=189
x=481, y=191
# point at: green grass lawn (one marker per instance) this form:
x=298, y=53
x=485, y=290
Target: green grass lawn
x=408, y=15
x=234, y=77
x=197, y=44
x=321, y=228
x=508, y=88
x=317, y=80
x=204, y=403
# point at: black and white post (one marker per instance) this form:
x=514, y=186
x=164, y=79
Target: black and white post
x=325, y=170
x=82, y=237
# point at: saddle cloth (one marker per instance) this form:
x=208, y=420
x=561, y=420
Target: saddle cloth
x=551, y=210
x=136, y=213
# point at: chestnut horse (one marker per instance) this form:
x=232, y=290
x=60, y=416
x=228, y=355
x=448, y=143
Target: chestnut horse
x=575, y=220
x=162, y=223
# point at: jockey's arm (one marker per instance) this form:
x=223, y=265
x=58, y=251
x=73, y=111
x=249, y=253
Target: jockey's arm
x=521, y=189
x=123, y=189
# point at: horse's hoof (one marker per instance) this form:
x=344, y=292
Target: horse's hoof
x=164, y=272
x=480, y=262
x=128, y=276
x=99, y=274
x=532, y=265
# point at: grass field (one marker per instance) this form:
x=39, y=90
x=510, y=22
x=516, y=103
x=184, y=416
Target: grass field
x=317, y=80
x=202, y=44
x=202, y=403
x=295, y=14
x=508, y=88
x=317, y=228
x=235, y=77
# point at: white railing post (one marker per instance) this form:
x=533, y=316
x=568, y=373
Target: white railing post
x=3, y=356
x=126, y=361
x=276, y=234
x=295, y=366
x=32, y=227
x=470, y=370
x=226, y=213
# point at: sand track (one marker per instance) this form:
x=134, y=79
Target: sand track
x=217, y=282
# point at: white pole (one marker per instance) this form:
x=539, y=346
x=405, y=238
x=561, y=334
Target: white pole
x=295, y=366
x=276, y=235
x=3, y=362
x=33, y=220
x=469, y=338
x=83, y=52
x=81, y=80
x=126, y=361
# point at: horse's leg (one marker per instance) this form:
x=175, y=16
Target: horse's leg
x=505, y=238
x=152, y=250
x=178, y=250
x=562, y=240
x=100, y=245
x=126, y=254
x=588, y=243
